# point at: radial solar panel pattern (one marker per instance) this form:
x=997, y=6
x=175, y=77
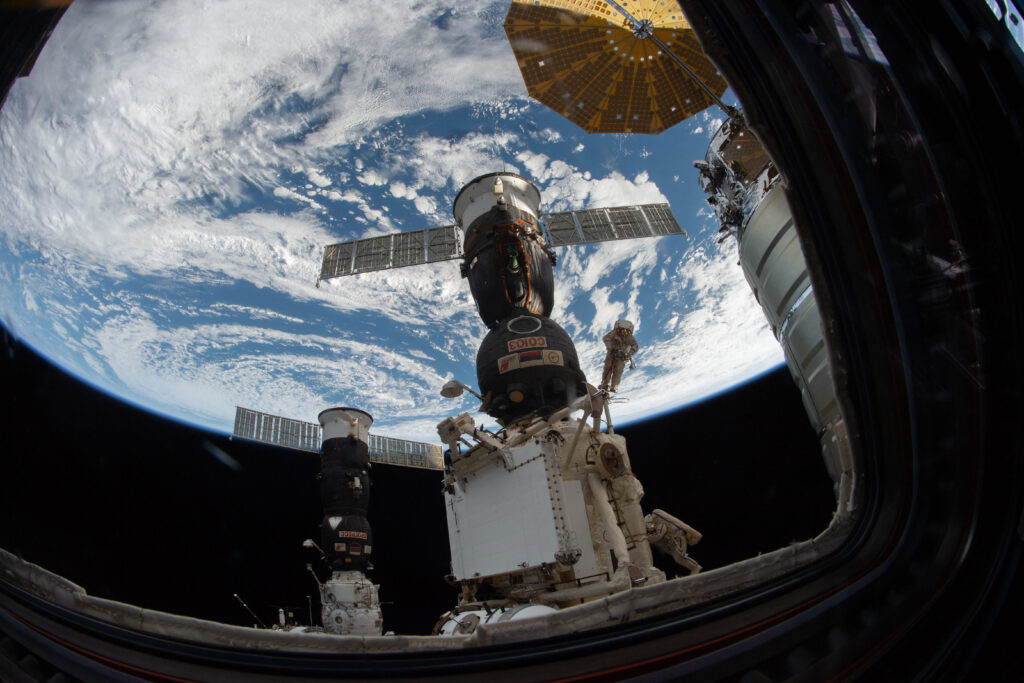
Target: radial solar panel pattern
x=305, y=436
x=581, y=59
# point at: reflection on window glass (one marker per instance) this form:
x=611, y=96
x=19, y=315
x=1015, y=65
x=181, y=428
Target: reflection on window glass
x=1010, y=14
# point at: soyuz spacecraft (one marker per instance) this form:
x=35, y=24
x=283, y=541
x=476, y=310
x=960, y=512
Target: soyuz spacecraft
x=810, y=609
x=544, y=513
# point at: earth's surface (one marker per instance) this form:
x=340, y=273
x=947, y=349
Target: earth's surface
x=171, y=172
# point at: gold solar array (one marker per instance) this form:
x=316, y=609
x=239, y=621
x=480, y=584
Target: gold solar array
x=744, y=154
x=581, y=59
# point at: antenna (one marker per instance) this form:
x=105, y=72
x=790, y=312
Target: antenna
x=454, y=388
x=253, y=614
x=309, y=568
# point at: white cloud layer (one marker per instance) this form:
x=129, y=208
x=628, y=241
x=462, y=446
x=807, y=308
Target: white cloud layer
x=172, y=171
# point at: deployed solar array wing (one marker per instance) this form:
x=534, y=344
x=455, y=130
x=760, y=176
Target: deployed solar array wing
x=444, y=243
x=604, y=225
x=305, y=436
x=396, y=250
x=632, y=66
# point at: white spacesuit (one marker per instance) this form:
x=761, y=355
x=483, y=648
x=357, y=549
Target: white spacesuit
x=621, y=346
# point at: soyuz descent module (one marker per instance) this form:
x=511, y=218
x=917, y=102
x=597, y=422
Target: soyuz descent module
x=544, y=513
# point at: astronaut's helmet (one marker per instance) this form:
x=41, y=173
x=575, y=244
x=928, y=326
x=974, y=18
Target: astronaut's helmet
x=623, y=324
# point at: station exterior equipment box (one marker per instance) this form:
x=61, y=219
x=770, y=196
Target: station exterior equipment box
x=491, y=532
x=547, y=512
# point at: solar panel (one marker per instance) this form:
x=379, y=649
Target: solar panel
x=305, y=436
x=396, y=250
x=444, y=243
x=603, y=225
x=372, y=254
x=337, y=260
x=582, y=59
x=562, y=228
x=276, y=430
x=661, y=220
x=392, y=451
x=408, y=249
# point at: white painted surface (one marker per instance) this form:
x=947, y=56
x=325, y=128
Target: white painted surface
x=478, y=197
x=340, y=422
x=499, y=520
x=579, y=528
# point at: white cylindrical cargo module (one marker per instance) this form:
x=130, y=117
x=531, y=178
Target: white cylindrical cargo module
x=775, y=268
x=338, y=423
x=479, y=195
x=751, y=204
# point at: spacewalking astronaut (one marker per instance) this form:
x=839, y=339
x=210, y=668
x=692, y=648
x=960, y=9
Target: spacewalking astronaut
x=621, y=346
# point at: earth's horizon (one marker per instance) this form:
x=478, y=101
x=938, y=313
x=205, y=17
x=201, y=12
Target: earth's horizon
x=173, y=172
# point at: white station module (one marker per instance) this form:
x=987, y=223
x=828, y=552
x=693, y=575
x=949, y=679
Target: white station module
x=547, y=513
x=543, y=520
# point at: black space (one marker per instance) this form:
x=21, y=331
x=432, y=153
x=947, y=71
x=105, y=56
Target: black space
x=137, y=508
x=744, y=468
